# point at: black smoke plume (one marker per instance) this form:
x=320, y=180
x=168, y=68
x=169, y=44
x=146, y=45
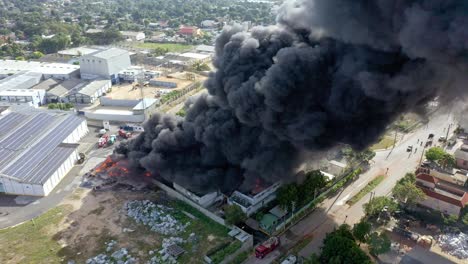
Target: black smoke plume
x=330, y=71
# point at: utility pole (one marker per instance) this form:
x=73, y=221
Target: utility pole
x=394, y=140
x=422, y=154
x=446, y=137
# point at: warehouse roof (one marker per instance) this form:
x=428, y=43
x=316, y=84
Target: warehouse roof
x=91, y=88
x=108, y=53
x=46, y=85
x=31, y=143
x=23, y=80
x=65, y=87
x=79, y=51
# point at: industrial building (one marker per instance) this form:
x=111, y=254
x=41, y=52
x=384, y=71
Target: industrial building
x=204, y=200
x=61, y=71
x=37, y=149
x=32, y=97
x=89, y=92
x=251, y=202
x=104, y=64
x=122, y=110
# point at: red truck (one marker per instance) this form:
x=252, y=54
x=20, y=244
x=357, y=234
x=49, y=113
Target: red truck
x=124, y=134
x=268, y=246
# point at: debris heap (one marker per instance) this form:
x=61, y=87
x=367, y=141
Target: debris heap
x=454, y=244
x=156, y=216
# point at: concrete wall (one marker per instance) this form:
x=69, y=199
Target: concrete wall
x=115, y=117
x=78, y=133
x=13, y=187
x=441, y=206
x=90, y=65
x=173, y=193
x=107, y=101
x=205, y=200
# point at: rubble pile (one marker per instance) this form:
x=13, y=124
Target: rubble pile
x=454, y=244
x=163, y=256
x=156, y=216
x=120, y=256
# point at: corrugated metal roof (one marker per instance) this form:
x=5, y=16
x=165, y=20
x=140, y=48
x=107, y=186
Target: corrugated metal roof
x=33, y=146
x=91, y=88
x=108, y=53
x=46, y=85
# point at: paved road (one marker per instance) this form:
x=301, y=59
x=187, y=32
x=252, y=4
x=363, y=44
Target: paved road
x=334, y=211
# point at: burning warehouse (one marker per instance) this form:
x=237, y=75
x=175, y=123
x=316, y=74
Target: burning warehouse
x=330, y=71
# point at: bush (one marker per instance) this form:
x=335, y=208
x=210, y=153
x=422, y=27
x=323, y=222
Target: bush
x=221, y=254
x=240, y=258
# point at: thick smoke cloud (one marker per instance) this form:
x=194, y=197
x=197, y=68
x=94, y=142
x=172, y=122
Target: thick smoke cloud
x=330, y=71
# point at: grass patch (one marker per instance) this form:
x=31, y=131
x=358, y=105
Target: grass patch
x=222, y=253
x=171, y=47
x=210, y=234
x=32, y=242
x=384, y=143
x=369, y=187
x=239, y=259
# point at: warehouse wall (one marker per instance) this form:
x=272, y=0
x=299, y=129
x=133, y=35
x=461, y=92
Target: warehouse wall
x=14, y=187
x=78, y=133
x=58, y=175
x=116, y=117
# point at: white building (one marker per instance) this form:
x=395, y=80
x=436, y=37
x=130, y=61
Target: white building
x=251, y=203
x=61, y=71
x=76, y=52
x=204, y=200
x=133, y=35
x=132, y=74
x=105, y=64
x=37, y=149
x=88, y=93
x=21, y=80
x=118, y=110
x=32, y=97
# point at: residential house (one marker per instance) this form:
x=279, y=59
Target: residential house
x=442, y=196
x=188, y=31
x=133, y=35
x=461, y=157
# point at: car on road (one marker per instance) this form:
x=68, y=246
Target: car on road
x=431, y=136
x=442, y=139
x=291, y=259
x=409, y=149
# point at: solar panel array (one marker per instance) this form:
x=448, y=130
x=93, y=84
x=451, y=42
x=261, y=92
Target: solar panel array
x=10, y=122
x=31, y=152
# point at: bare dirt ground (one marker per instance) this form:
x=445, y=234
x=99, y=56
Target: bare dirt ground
x=98, y=218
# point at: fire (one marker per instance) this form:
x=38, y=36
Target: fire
x=113, y=168
x=258, y=186
x=147, y=174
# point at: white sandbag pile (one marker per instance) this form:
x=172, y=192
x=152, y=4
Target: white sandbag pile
x=454, y=244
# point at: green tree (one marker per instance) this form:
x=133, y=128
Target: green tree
x=361, y=230
x=234, y=214
x=408, y=193
x=287, y=195
x=36, y=55
x=379, y=244
x=377, y=204
x=447, y=161
x=434, y=154
x=339, y=247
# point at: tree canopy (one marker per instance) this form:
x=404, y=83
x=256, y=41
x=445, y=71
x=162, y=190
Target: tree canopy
x=361, y=230
x=406, y=191
x=379, y=243
x=377, y=204
x=339, y=247
x=234, y=214
x=438, y=155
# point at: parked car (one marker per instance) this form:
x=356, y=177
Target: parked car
x=442, y=139
x=291, y=259
x=409, y=149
